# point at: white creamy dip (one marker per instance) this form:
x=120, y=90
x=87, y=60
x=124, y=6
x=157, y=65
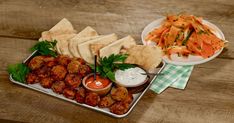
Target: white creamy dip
x=131, y=77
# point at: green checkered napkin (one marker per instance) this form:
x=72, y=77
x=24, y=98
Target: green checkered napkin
x=173, y=76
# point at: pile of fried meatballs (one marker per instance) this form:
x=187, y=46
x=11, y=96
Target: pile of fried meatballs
x=64, y=76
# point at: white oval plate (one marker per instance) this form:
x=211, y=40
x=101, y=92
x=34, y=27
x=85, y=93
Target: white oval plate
x=175, y=59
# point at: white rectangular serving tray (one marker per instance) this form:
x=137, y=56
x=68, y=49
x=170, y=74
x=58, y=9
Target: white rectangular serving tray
x=136, y=97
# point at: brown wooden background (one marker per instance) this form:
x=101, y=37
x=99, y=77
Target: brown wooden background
x=208, y=98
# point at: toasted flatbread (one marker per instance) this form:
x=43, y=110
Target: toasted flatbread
x=73, y=44
x=62, y=43
x=45, y=36
x=62, y=32
x=62, y=27
x=115, y=47
x=84, y=48
x=95, y=48
x=86, y=34
x=148, y=57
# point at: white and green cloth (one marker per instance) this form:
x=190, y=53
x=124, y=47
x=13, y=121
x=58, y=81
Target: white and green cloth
x=172, y=76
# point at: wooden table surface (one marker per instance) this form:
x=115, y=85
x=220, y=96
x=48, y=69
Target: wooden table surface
x=208, y=97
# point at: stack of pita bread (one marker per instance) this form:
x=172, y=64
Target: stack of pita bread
x=88, y=43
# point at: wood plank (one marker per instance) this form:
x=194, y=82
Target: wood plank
x=104, y=13
x=22, y=19
x=209, y=96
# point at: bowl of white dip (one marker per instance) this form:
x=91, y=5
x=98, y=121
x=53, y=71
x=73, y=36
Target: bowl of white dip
x=131, y=77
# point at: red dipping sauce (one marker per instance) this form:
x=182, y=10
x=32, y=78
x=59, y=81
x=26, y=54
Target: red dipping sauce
x=99, y=83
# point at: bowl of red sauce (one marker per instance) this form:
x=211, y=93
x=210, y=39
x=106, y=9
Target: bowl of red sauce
x=101, y=85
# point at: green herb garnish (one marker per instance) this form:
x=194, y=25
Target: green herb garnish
x=107, y=65
x=202, y=32
x=18, y=71
x=45, y=48
x=187, y=37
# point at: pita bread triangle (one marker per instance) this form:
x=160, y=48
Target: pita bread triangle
x=84, y=48
x=62, y=27
x=115, y=47
x=86, y=34
x=62, y=43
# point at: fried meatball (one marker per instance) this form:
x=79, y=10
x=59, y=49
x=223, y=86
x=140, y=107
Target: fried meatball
x=31, y=78
x=69, y=93
x=127, y=101
x=80, y=95
x=58, y=72
x=36, y=62
x=82, y=61
x=106, y=101
x=42, y=72
x=50, y=61
x=84, y=70
x=46, y=82
x=73, y=80
x=63, y=60
x=73, y=66
x=92, y=99
x=58, y=87
x=122, y=107
x=119, y=93
x=119, y=108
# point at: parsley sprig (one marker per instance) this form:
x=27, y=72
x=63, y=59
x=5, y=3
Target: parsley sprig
x=18, y=71
x=45, y=48
x=107, y=65
x=187, y=37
